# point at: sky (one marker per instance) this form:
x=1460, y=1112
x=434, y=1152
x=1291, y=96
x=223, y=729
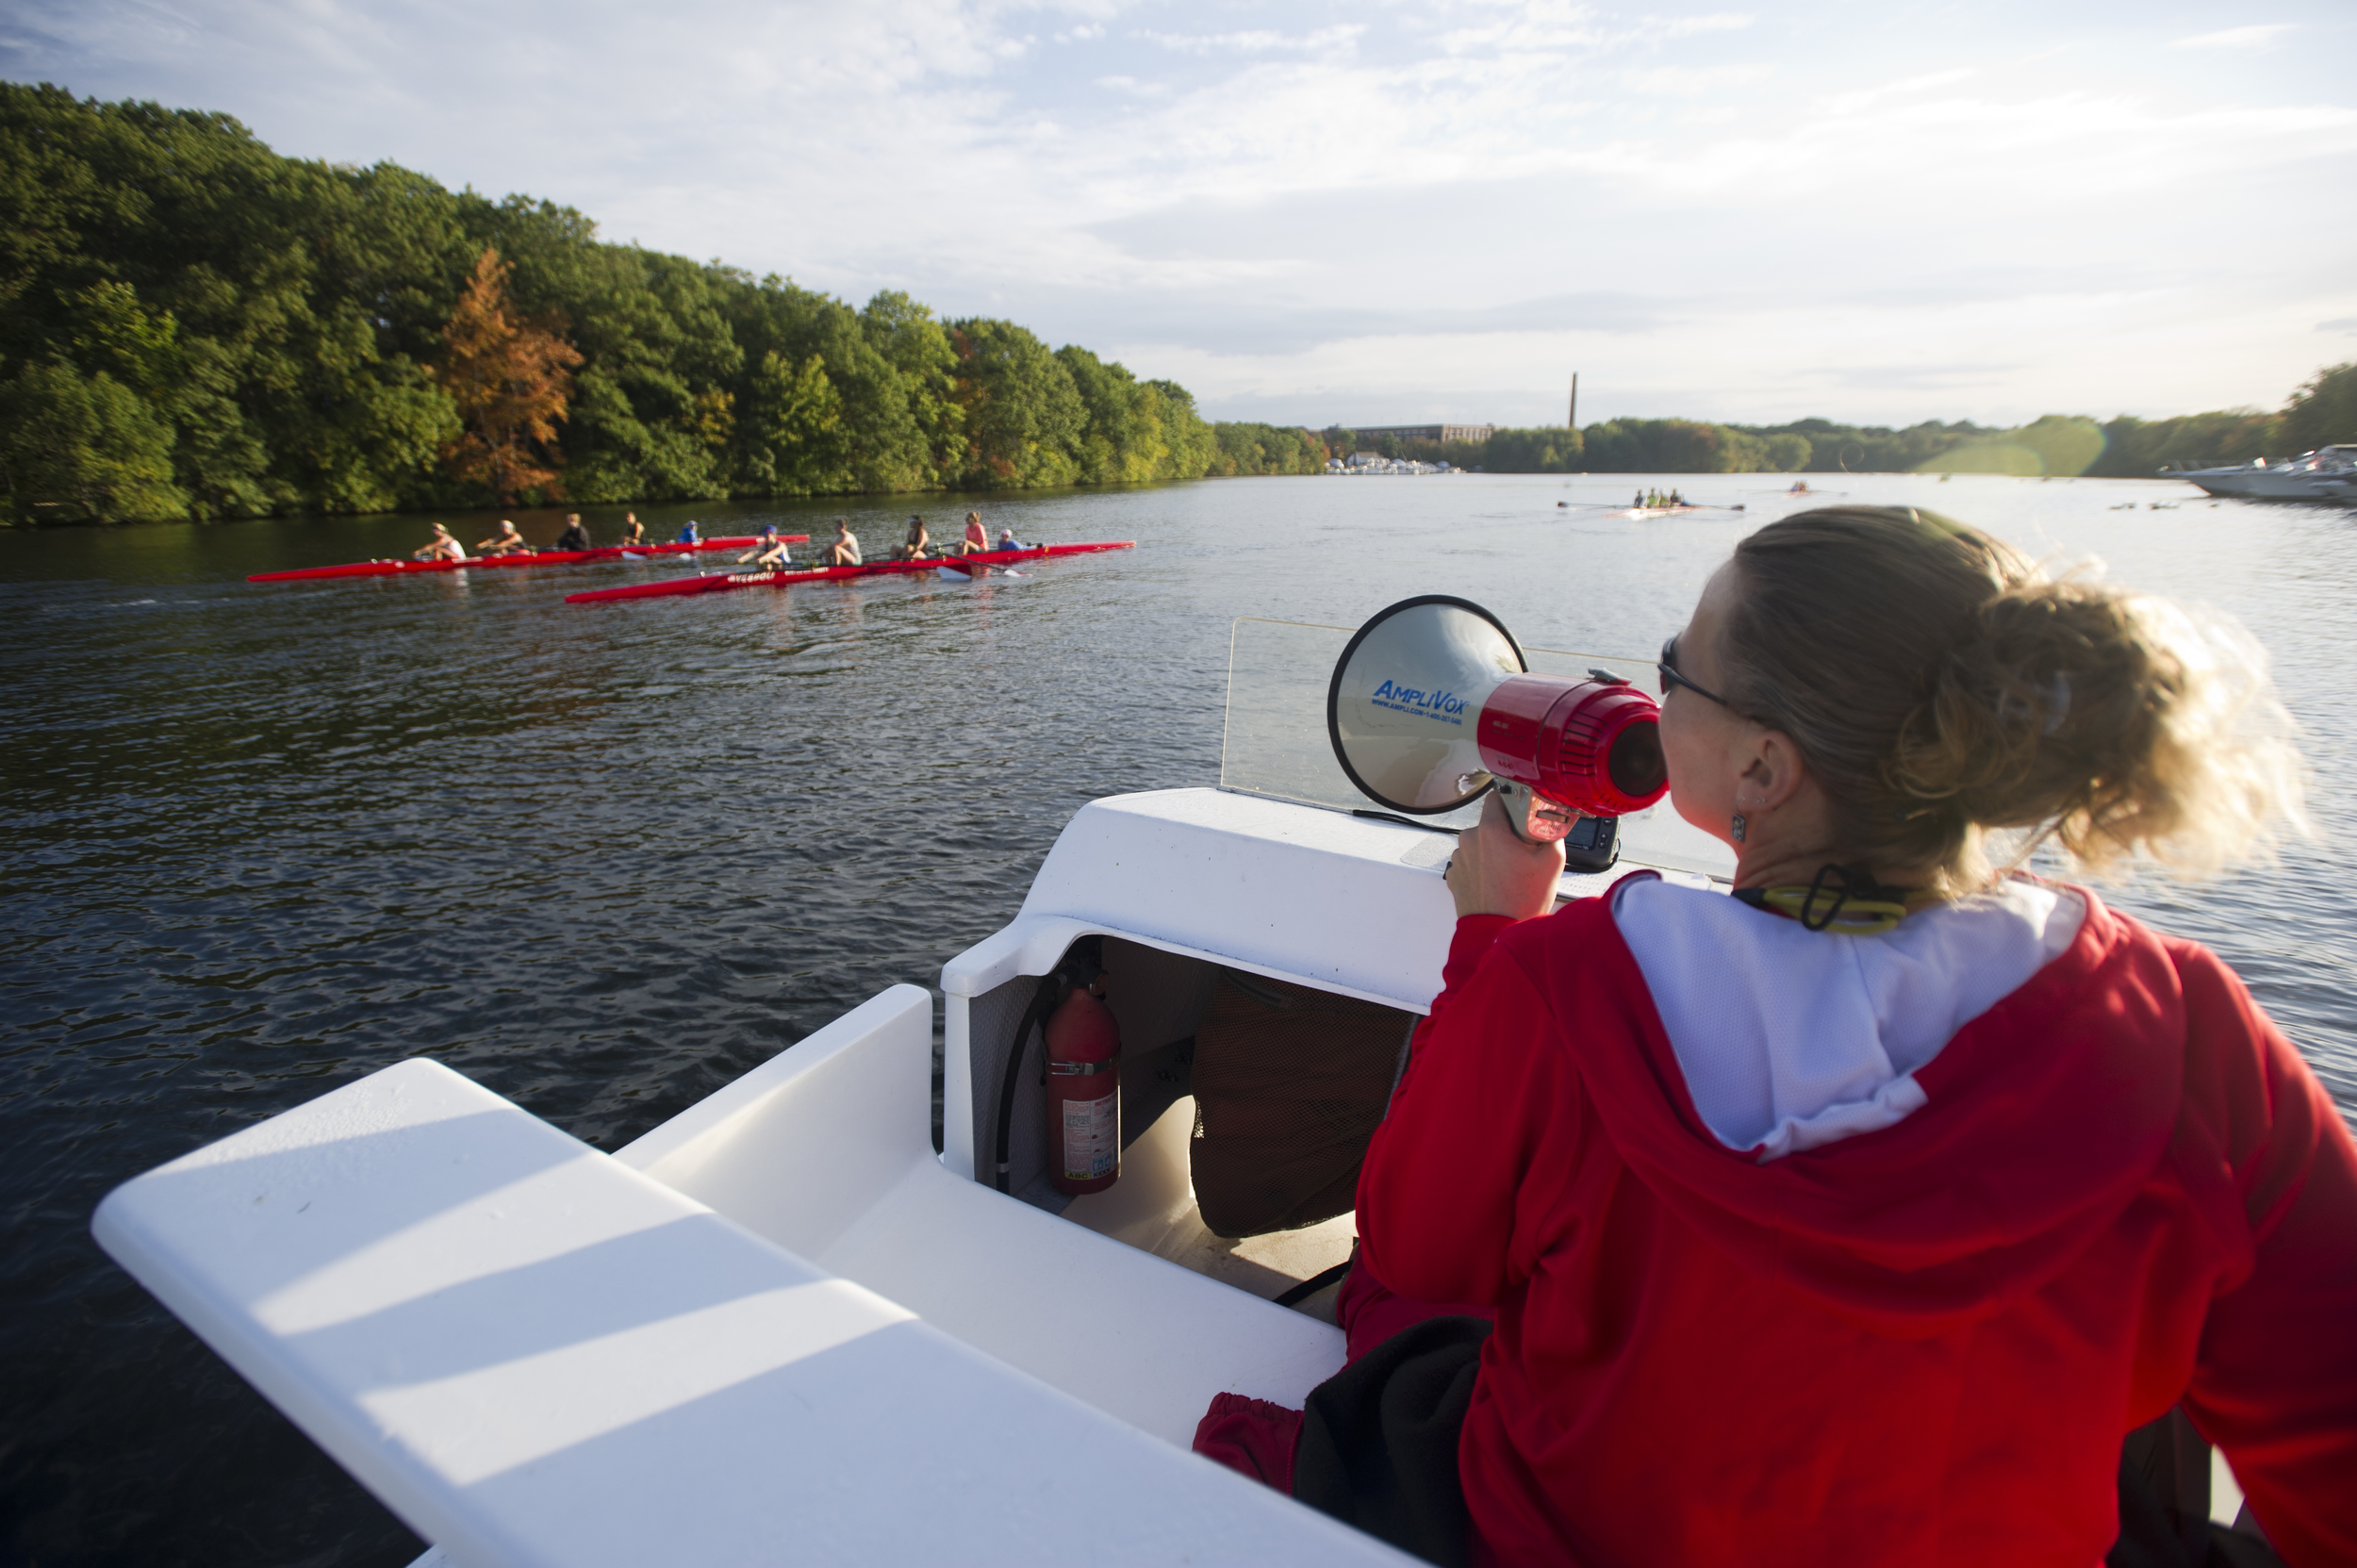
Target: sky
x=1390, y=213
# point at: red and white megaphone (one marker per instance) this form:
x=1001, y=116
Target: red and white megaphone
x=1433, y=703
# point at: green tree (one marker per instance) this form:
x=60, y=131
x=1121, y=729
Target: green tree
x=2134, y=448
x=2054, y=444
x=906, y=337
x=83, y=449
x=1545, y=450
x=2323, y=412
x=1192, y=443
x=1241, y=448
x=792, y=430
x=1024, y=417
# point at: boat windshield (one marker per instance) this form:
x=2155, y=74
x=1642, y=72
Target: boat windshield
x=1276, y=742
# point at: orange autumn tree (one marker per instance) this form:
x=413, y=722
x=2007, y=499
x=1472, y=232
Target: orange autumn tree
x=511, y=380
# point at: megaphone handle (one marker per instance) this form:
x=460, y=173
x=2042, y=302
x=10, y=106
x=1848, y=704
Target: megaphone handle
x=1534, y=819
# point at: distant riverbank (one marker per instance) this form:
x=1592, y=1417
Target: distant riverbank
x=197, y=328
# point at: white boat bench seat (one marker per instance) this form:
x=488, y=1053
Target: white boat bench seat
x=536, y=1353
x=827, y=1150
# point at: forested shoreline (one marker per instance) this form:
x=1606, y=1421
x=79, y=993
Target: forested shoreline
x=192, y=326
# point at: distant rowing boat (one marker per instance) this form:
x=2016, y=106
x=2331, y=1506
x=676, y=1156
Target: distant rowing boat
x=720, y=582
x=518, y=558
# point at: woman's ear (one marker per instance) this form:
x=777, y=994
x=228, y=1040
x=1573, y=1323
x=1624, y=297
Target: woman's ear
x=1770, y=775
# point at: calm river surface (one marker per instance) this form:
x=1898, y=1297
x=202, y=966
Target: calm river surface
x=264, y=839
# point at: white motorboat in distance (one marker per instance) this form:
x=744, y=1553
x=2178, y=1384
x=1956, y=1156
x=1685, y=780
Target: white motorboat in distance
x=2329, y=474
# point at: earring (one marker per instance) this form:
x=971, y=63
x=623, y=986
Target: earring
x=1735, y=828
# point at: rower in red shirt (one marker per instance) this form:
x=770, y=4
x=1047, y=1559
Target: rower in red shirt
x=1858, y=1219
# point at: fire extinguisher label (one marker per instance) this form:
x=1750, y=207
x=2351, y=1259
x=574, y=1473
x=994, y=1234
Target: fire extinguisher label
x=1091, y=1138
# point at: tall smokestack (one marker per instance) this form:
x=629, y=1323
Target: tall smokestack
x=1575, y=417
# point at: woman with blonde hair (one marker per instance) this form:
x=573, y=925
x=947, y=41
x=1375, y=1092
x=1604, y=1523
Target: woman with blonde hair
x=1859, y=1217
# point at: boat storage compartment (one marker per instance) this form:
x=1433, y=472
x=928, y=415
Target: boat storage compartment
x=1182, y=883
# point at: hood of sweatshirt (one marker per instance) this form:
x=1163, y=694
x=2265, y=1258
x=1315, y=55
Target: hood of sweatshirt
x=1914, y=1129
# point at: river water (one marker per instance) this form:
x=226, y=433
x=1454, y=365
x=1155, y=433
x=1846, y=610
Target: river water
x=264, y=839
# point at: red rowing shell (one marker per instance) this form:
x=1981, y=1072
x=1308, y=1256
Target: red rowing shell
x=719, y=582
x=520, y=558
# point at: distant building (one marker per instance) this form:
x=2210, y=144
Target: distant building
x=1425, y=432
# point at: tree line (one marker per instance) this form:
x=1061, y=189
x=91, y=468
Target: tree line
x=2321, y=412
x=194, y=326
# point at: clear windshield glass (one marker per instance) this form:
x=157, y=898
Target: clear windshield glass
x=1276, y=742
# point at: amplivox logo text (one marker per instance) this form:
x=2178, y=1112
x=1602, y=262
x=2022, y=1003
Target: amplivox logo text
x=1446, y=707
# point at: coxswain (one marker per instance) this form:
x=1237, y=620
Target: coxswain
x=688, y=534
x=918, y=541
x=772, y=552
x=634, y=532
x=440, y=547
x=845, y=550
x=977, y=538
x=1008, y=541
x=505, y=542
x=1895, y=1202
x=1800, y=487
x=575, y=537
x=1640, y=503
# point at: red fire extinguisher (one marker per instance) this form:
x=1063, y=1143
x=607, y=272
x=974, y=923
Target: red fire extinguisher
x=1084, y=1092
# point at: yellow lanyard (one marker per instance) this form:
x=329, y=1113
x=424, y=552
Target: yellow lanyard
x=1853, y=903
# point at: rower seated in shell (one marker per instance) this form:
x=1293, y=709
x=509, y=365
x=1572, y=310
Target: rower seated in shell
x=844, y=552
x=575, y=537
x=505, y=542
x=916, y=542
x=442, y=547
x=772, y=552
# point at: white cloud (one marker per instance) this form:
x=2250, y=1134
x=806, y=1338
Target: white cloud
x=1850, y=103
x=1693, y=81
x=1256, y=41
x=1468, y=199
x=2257, y=37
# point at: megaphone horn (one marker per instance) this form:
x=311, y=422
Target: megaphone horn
x=1432, y=702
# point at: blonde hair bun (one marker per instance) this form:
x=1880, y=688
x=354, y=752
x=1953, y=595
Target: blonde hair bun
x=1941, y=685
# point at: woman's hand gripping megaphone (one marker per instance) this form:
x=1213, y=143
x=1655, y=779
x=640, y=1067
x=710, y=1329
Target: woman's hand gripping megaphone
x=1498, y=871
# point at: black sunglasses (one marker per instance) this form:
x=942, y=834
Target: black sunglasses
x=1669, y=676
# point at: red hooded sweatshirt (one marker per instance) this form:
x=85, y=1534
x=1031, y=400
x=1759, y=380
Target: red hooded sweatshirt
x=2118, y=1187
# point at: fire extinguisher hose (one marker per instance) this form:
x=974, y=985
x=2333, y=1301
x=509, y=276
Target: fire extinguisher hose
x=1044, y=1000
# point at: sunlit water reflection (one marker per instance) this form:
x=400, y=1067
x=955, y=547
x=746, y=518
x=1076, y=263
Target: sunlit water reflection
x=265, y=839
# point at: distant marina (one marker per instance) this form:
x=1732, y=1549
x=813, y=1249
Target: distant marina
x=1359, y=464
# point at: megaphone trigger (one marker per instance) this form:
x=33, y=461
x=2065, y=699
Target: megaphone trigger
x=1534, y=818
